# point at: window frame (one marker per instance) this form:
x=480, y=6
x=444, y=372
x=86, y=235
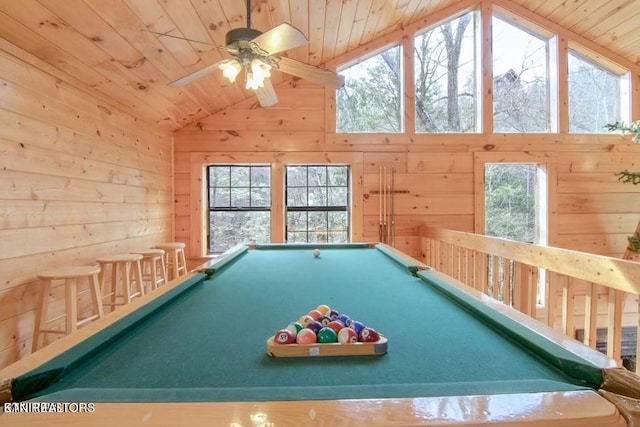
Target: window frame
x=326, y=208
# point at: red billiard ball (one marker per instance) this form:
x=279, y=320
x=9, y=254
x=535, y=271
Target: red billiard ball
x=284, y=336
x=315, y=314
x=369, y=335
x=347, y=336
x=336, y=325
x=306, y=336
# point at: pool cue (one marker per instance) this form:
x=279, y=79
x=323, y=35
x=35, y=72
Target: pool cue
x=389, y=199
x=393, y=206
x=384, y=204
x=380, y=204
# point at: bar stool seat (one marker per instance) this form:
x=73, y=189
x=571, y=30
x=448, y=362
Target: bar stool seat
x=73, y=277
x=174, y=258
x=121, y=271
x=154, y=271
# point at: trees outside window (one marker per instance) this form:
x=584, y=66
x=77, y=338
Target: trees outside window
x=317, y=203
x=520, y=79
x=370, y=100
x=239, y=201
x=595, y=95
x=445, y=77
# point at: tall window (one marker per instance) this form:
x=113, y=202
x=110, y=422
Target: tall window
x=445, y=77
x=317, y=203
x=597, y=96
x=371, y=98
x=520, y=80
x=239, y=205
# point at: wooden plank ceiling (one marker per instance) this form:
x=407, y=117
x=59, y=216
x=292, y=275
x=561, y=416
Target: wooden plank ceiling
x=102, y=43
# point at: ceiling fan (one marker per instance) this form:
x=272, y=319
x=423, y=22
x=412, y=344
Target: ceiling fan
x=257, y=53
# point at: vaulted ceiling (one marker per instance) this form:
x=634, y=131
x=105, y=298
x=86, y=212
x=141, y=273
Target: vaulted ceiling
x=106, y=44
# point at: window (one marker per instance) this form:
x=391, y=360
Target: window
x=239, y=205
x=445, y=77
x=520, y=80
x=317, y=200
x=371, y=98
x=597, y=96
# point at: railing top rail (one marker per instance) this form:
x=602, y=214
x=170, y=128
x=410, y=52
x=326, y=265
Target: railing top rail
x=607, y=271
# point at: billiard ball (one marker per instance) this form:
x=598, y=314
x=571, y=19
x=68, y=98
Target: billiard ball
x=368, y=335
x=315, y=314
x=347, y=336
x=305, y=320
x=306, y=336
x=336, y=325
x=316, y=253
x=294, y=327
x=333, y=314
x=346, y=320
x=325, y=320
x=324, y=309
x=284, y=336
x=327, y=335
x=315, y=326
x=357, y=326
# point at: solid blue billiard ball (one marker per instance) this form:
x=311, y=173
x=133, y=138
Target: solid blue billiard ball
x=346, y=320
x=357, y=326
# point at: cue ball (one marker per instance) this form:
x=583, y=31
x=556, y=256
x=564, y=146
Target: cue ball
x=316, y=253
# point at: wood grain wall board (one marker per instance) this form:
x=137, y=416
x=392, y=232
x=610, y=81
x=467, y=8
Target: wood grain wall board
x=373, y=161
x=21, y=271
x=436, y=204
x=149, y=152
x=29, y=159
x=424, y=183
x=594, y=243
x=597, y=223
x=15, y=185
x=286, y=120
x=19, y=214
x=250, y=140
x=599, y=162
x=440, y=163
x=15, y=243
x=407, y=225
x=597, y=203
x=596, y=182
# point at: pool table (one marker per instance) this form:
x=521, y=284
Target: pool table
x=193, y=352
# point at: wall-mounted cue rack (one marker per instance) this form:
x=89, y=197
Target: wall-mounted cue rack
x=386, y=205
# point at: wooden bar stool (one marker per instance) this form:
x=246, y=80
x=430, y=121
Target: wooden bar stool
x=154, y=270
x=72, y=276
x=121, y=271
x=174, y=259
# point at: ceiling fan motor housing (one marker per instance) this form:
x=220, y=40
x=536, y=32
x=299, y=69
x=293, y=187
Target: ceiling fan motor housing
x=241, y=34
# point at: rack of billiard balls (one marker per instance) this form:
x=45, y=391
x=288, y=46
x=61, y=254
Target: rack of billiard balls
x=326, y=332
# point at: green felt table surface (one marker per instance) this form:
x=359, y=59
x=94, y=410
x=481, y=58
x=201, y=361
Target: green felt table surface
x=208, y=343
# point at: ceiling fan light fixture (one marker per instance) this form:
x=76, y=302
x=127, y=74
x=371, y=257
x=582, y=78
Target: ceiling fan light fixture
x=254, y=81
x=230, y=69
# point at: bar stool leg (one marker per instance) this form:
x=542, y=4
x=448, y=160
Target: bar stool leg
x=183, y=261
x=96, y=294
x=71, y=304
x=41, y=314
x=137, y=276
x=163, y=270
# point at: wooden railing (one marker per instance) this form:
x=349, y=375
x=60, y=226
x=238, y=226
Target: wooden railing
x=544, y=282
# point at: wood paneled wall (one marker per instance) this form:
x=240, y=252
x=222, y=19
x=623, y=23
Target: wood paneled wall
x=589, y=210
x=79, y=178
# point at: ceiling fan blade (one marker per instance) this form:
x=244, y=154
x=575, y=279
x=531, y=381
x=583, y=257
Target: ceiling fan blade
x=311, y=73
x=185, y=80
x=280, y=38
x=266, y=94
